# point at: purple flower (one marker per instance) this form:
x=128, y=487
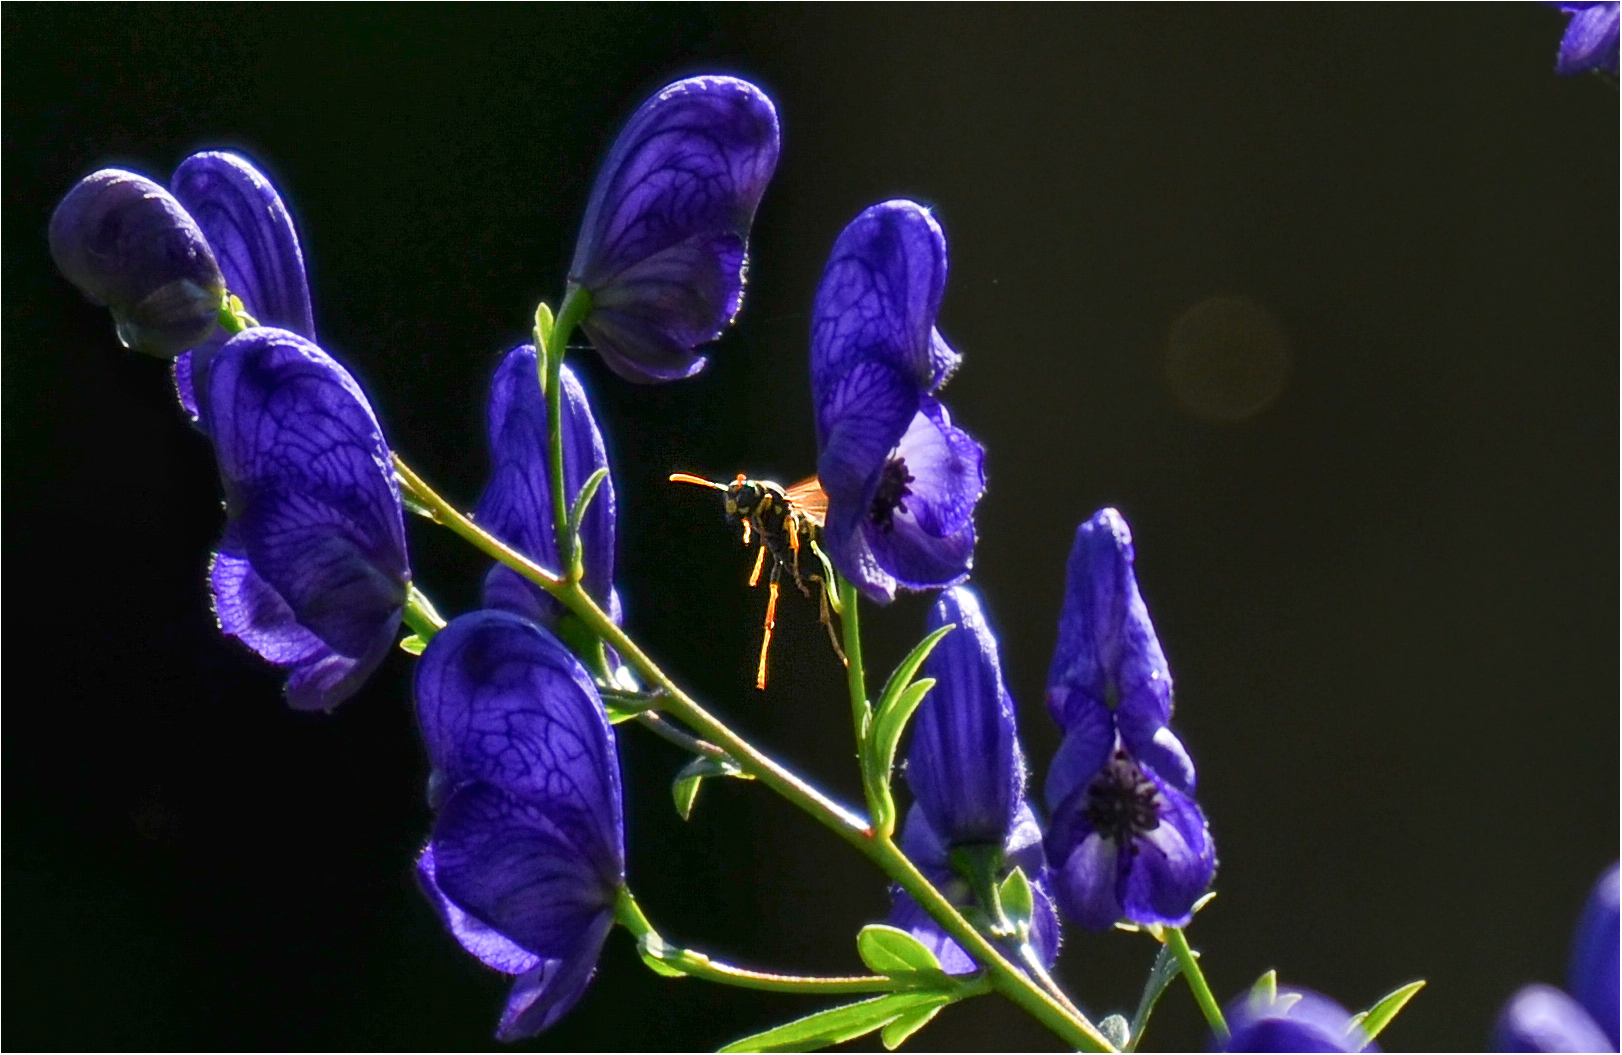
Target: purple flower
x=1542, y=1018
x=128, y=244
x=1295, y=1020
x=516, y=505
x=1590, y=42
x=527, y=853
x=663, y=246
x=252, y=237
x=1127, y=839
x=902, y=481
x=968, y=776
x=312, y=571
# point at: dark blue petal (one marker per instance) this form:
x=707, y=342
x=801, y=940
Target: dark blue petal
x=128, y=244
x=1088, y=742
x=880, y=292
x=1594, y=970
x=309, y=488
x=964, y=765
x=1086, y=879
x=1297, y=1020
x=505, y=863
x=1542, y=1018
x=501, y=701
x=662, y=247
x=252, y=237
x=546, y=993
x=491, y=947
x=947, y=467
x=516, y=505
x=1173, y=865
x=1591, y=39
x=1107, y=650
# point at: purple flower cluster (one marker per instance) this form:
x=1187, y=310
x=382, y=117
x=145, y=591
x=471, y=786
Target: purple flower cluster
x=1291, y=1020
x=1590, y=43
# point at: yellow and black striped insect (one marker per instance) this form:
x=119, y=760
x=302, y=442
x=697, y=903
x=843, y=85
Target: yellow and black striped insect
x=786, y=520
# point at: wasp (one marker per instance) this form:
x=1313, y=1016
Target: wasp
x=786, y=520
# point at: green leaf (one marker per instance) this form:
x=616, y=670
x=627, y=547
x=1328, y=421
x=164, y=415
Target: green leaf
x=1265, y=991
x=892, y=951
x=1015, y=894
x=414, y=506
x=582, y=501
x=1376, y=1018
x=684, y=789
x=889, y=724
x=909, y=666
x=1161, y=974
x=910, y=1022
x=543, y=324
x=413, y=644
x=1116, y=1030
x=837, y=1025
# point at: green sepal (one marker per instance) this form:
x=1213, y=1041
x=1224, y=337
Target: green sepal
x=412, y=644
x=684, y=789
x=1376, y=1018
x=893, y=952
x=653, y=950
x=1116, y=1030
x=1265, y=991
x=910, y=1022
x=1018, y=903
x=837, y=1025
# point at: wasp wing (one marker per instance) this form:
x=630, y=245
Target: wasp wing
x=809, y=498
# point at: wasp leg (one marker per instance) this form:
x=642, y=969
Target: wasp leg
x=771, y=623
x=792, y=525
x=827, y=621
x=760, y=560
x=746, y=536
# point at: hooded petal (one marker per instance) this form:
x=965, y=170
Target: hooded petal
x=251, y=234
x=128, y=244
x=880, y=292
x=309, y=489
x=1591, y=39
x=505, y=863
x=549, y=991
x=1594, y=971
x=1298, y=1020
x=665, y=233
x=516, y=505
x=964, y=765
x=1542, y=1018
x=501, y=701
x=1107, y=650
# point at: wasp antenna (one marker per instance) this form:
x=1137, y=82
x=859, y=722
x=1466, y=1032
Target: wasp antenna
x=689, y=478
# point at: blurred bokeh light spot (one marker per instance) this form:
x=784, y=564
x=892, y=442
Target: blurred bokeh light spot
x=1226, y=359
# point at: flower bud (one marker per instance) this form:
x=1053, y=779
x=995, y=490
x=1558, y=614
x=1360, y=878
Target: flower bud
x=128, y=244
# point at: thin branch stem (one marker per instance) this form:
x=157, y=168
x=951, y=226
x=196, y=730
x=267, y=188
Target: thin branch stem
x=1196, y=981
x=576, y=305
x=668, y=730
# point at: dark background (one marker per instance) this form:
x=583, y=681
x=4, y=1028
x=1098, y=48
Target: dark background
x=1389, y=597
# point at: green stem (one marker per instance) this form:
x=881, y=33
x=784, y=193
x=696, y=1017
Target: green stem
x=1005, y=976
x=861, y=712
x=696, y=964
x=421, y=616
x=576, y=305
x=1196, y=981
x=668, y=730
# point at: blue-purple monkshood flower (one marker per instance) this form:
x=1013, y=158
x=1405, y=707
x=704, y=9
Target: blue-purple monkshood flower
x=902, y=481
x=1542, y=1018
x=516, y=505
x=967, y=775
x=251, y=234
x=664, y=244
x=527, y=853
x=1590, y=43
x=128, y=244
x=312, y=571
x=1126, y=840
x=1294, y=1020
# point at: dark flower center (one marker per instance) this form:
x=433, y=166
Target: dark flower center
x=1121, y=801
x=891, y=495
